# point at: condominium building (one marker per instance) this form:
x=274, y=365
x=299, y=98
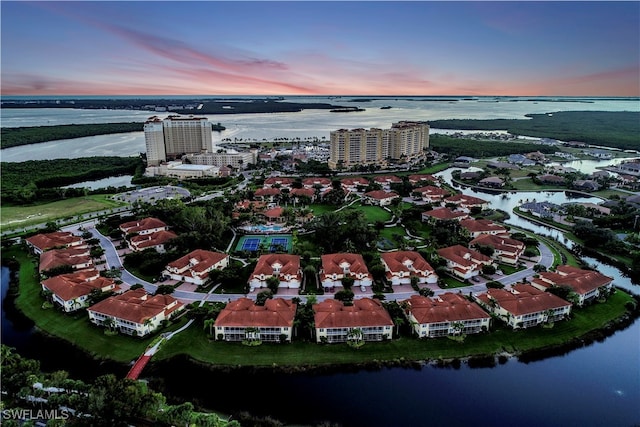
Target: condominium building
x=404, y=141
x=175, y=136
x=238, y=160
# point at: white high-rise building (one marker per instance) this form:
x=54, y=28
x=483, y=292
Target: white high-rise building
x=176, y=136
x=404, y=141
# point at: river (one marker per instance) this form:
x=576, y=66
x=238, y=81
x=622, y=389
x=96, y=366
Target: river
x=596, y=385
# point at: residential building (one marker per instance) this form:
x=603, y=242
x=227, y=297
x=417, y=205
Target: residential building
x=134, y=312
x=423, y=179
x=240, y=160
x=143, y=226
x=338, y=265
x=401, y=266
x=58, y=239
x=541, y=209
x=491, y=182
x=430, y=194
x=175, y=136
x=405, y=141
x=334, y=320
x=466, y=202
x=587, y=284
x=524, y=306
x=463, y=263
x=267, y=194
x=75, y=257
x=155, y=241
x=586, y=185
x=505, y=249
x=445, y=314
x=354, y=184
x=71, y=291
x=285, y=267
x=443, y=214
x=316, y=182
x=550, y=179
x=278, y=182
x=386, y=180
x=242, y=319
x=380, y=197
x=476, y=227
x=196, y=266
x=180, y=170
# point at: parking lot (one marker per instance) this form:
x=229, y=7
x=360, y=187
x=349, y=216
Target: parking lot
x=151, y=194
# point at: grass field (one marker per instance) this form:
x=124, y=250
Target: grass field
x=372, y=213
x=12, y=217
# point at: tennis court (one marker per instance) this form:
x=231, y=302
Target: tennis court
x=256, y=242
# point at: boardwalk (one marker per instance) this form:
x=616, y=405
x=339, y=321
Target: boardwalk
x=135, y=370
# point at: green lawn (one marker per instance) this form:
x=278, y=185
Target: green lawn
x=25, y=216
x=320, y=209
x=195, y=341
x=372, y=213
x=74, y=328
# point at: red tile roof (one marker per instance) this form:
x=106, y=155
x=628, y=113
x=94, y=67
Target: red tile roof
x=582, y=281
x=274, y=212
x=276, y=180
x=46, y=241
x=309, y=192
x=445, y=214
x=448, y=307
x=384, y=179
x=316, y=181
x=153, y=239
x=331, y=263
x=499, y=243
x=364, y=312
x=354, y=181
x=482, y=226
x=75, y=285
x=464, y=200
x=381, y=194
x=403, y=260
x=463, y=256
x=260, y=192
x=59, y=257
x=289, y=265
x=200, y=260
x=417, y=178
x=243, y=312
x=137, y=306
x=526, y=300
x=142, y=225
x=431, y=190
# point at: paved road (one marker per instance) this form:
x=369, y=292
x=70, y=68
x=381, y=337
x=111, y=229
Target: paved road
x=113, y=260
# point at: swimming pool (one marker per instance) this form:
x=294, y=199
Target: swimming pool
x=263, y=228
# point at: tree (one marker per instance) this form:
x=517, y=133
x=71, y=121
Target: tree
x=208, y=323
x=355, y=338
x=488, y=269
x=273, y=282
x=165, y=290
x=263, y=296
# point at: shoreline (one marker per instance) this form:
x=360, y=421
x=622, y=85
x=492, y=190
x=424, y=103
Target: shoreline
x=488, y=359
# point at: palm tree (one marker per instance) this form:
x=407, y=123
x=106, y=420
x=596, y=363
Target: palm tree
x=209, y=323
x=355, y=338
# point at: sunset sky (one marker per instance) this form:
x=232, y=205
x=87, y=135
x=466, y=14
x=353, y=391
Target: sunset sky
x=321, y=48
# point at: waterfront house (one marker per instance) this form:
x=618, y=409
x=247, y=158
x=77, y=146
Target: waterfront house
x=134, y=312
x=476, y=227
x=58, y=239
x=430, y=193
x=550, y=179
x=401, y=266
x=541, y=209
x=285, y=267
x=334, y=320
x=77, y=258
x=524, y=306
x=445, y=314
x=443, y=214
x=71, y=291
x=491, y=182
x=339, y=265
x=143, y=226
x=463, y=263
x=380, y=197
x=520, y=159
x=505, y=249
x=466, y=202
x=586, y=185
x=587, y=284
x=196, y=266
x=243, y=320
x=422, y=179
x=155, y=241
